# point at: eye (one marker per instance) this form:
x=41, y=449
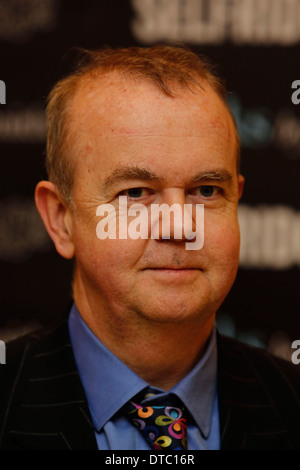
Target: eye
x=207, y=191
x=134, y=192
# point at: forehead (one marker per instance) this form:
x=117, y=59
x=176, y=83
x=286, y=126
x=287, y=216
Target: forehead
x=113, y=112
x=114, y=101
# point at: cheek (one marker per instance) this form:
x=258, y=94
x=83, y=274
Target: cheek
x=222, y=240
x=105, y=261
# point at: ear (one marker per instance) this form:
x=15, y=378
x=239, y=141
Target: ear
x=57, y=217
x=241, y=183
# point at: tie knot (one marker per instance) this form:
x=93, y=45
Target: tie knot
x=161, y=419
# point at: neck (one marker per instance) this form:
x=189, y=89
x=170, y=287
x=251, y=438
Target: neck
x=161, y=353
x=169, y=356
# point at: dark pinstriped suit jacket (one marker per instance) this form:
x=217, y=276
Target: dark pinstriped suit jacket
x=43, y=405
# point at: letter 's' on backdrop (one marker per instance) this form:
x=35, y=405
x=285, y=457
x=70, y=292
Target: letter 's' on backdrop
x=257, y=47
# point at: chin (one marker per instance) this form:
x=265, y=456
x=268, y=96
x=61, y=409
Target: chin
x=177, y=311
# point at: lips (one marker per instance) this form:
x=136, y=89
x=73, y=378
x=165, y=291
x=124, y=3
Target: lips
x=175, y=268
x=173, y=274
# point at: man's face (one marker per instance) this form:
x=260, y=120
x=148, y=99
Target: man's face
x=178, y=148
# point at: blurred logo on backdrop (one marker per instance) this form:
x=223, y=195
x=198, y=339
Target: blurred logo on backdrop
x=259, y=128
x=216, y=21
x=22, y=18
x=270, y=237
x=255, y=125
x=23, y=123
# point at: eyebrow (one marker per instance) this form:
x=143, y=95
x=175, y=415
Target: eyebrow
x=129, y=173
x=214, y=175
x=124, y=173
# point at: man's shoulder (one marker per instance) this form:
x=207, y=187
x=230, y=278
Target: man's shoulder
x=39, y=341
x=259, y=398
x=42, y=401
x=236, y=355
x=32, y=354
x=253, y=378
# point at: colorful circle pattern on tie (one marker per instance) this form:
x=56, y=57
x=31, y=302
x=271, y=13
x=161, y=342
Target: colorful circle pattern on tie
x=163, y=427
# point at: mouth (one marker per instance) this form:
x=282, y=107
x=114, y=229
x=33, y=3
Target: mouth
x=173, y=273
x=174, y=268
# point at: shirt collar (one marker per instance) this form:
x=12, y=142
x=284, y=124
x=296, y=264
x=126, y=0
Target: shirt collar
x=95, y=364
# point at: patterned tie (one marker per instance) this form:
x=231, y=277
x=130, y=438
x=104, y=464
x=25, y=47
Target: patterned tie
x=161, y=420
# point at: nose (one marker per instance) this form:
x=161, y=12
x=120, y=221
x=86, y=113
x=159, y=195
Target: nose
x=173, y=219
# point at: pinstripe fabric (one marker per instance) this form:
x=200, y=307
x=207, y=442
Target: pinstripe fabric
x=43, y=406
x=259, y=399
x=46, y=407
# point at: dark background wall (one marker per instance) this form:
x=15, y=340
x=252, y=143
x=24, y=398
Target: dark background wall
x=257, y=46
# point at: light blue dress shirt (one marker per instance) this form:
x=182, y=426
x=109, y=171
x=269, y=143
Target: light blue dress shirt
x=109, y=384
